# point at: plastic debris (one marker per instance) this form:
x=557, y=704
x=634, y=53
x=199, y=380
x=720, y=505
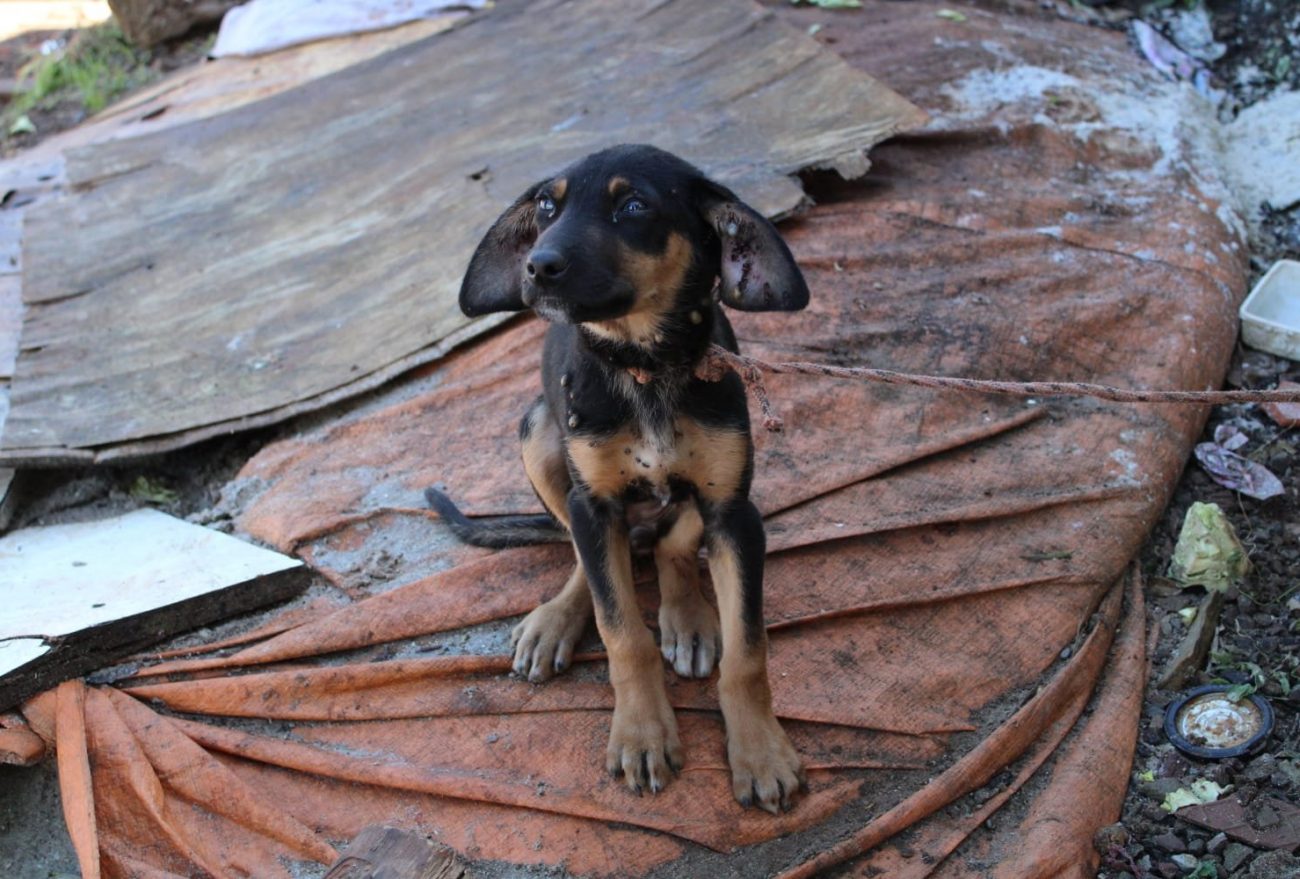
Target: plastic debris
x=1231, y=438
x=1238, y=473
x=1208, y=552
x=1285, y=414
x=1172, y=61
x=1200, y=791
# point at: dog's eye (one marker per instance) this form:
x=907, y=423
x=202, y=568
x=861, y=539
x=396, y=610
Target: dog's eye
x=546, y=206
x=634, y=206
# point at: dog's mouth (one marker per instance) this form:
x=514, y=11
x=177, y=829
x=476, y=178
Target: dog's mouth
x=552, y=311
x=570, y=309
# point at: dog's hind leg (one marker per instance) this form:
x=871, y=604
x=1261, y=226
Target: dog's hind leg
x=545, y=640
x=688, y=624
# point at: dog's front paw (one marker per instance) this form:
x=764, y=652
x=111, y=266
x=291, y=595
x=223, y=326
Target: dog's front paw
x=643, y=743
x=545, y=640
x=689, y=635
x=765, y=768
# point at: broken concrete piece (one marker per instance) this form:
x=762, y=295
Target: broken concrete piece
x=1195, y=646
x=1285, y=414
x=77, y=596
x=1265, y=822
x=1262, y=153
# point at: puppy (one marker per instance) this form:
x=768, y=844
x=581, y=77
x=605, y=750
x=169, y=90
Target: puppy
x=627, y=254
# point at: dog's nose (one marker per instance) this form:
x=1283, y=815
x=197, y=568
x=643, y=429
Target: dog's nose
x=546, y=264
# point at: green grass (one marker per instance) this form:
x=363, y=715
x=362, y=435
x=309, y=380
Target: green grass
x=97, y=65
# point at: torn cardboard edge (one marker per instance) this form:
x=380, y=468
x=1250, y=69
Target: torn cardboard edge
x=87, y=594
x=62, y=456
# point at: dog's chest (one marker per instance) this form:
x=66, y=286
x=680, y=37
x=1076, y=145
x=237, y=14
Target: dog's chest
x=660, y=460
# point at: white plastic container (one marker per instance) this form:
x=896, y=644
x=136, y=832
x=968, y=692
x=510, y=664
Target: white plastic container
x=1270, y=316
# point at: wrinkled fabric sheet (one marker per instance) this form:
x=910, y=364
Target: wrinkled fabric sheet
x=952, y=630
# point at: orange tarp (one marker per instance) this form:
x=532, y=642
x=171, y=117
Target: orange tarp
x=946, y=586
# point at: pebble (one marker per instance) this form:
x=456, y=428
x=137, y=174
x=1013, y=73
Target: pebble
x=1235, y=855
x=1186, y=862
x=1261, y=768
x=1170, y=842
x=1216, y=843
x=1115, y=835
x=1275, y=865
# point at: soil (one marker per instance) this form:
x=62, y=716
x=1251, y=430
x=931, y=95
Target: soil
x=65, y=109
x=1258, y=637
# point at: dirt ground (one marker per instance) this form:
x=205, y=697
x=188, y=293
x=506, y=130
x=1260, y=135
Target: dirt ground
x=1258, y=640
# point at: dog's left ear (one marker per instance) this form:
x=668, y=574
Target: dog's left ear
x=757, y=271
x=494, y=279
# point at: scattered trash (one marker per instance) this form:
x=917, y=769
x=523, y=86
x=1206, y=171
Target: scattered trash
x=1238, y=473
x=1284, y=414
x=1230, y=437
x=1172, y=61
x=951, y=15
x=22, y=125
x=1208, y=552
x=1193, y=32
x=94, y=591
x=1270, y=316
x=1200, y=791
x=829, y=4
x=1262, y=822
x=1207, y=722
x=266, y=25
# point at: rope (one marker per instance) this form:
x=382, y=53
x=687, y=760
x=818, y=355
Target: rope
x=717, y=361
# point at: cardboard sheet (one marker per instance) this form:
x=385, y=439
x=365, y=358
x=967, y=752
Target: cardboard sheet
x=300, y=249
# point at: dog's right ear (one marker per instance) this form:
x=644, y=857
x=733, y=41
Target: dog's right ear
x=494, y=279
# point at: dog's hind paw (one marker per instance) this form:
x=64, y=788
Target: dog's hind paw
x=689, y=635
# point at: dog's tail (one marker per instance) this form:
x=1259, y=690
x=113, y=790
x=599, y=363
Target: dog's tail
x=500, y=532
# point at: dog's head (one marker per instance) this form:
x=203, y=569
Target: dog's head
x=629, y=231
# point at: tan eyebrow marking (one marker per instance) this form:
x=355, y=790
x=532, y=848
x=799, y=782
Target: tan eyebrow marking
x=559, y=187
x=618, y=184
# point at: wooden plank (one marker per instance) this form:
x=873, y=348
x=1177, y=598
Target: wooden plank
x=299, y=249
x=78, y=596
x=389, y=853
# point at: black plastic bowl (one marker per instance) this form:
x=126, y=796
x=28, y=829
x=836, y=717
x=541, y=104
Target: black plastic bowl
x=1205, y=723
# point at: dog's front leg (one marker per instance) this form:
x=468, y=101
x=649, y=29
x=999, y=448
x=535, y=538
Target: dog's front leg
x=643, y=743
x=765, y=769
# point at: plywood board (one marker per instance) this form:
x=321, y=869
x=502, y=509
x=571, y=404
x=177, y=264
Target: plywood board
x=273, y=259
x=76, y=595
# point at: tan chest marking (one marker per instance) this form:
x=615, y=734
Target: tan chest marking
x=712, y=459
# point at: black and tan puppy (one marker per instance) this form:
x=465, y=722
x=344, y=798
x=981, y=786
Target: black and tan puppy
x=627, y=253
